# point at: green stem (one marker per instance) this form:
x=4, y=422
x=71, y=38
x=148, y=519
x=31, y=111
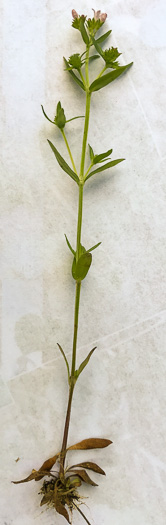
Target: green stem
x=101, y=72
x=78, y=283
x=69, y=150
x=91, y=165
x=82, y=78
x=87, y=114
x=76, y=314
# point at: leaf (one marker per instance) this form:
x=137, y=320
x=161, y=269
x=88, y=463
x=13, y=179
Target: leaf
x=63, y=164
x=94, y=247
x=75, y=78
x=81, y=268
x=69, y=245
x=93, y=57
x=91, y=152
x=84, y=363
x=66, y=361
x=91, y=443
x=43, y=470
x=102, y=156
x=46, y=467
x=109, y=77
x=85, y=477
x=46, y=498
x=105, y=167
x=83, y=31
x=90, y=466
x=47, y=116
x=29, y=478
x=98, y=48
x=102, y=38
x=59, y=507
x=60, y=119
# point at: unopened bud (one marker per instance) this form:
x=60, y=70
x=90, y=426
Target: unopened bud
x=103, y=17
x=74, y=13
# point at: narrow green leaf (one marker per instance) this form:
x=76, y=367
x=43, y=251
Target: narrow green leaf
x=47, y=116
x=94, y=247
x=75, y=78
x=69, y=245
x=81, y=268
x=109, y=77
x=63, y=164
x=102, y=38
x=98, y=48
x=66, y=361
x=85, y=362
x=83, y=31
x=105, y=167
x=102, y=156
x=74, y=118
x=91, y=152
x=93, y=57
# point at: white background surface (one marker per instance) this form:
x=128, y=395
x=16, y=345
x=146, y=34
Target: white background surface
x=122, y=393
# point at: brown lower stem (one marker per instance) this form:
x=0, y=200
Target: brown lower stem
x=66, y=430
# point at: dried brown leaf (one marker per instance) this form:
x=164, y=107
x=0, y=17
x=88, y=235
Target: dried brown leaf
x=43, y=471
x=33, y=475
x=46, y=467
x=59, y=507
x=46, y=498
x=85, y=477
x=91, y=443
x=89, y=465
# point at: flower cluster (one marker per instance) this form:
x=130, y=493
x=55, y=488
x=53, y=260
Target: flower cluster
x=110, y=55
x=93, y=24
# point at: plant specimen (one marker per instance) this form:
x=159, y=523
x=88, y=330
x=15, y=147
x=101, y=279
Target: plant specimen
x=60, y=490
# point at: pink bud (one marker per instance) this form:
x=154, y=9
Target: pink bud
x=74, y=13
x=103, y=17
x=96, y=14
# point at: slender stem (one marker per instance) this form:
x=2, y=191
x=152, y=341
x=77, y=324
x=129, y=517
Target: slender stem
x=76, y=314
x=82, y=514
x=69, y=150
x=78, y=283
x=79, y=221
x=66, y=430
x=87, y=113
x=91, y=165
x=101, y=72
x=82, y=78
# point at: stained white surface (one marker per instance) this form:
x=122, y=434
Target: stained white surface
x=122, y=393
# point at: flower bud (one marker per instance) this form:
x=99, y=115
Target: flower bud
x=74, y=13
x=103, y=17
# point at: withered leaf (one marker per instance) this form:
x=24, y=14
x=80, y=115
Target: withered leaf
x=46, y=467
x=59, y=507
x=85, y=477
x=33, y=474
x=39, y=474
x=46, y=498
x=91, y=443
x=90, y=466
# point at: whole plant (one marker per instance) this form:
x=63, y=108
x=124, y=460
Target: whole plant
x=61, y=483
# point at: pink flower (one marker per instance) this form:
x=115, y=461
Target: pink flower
x=74, y=13
x=99, y=16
